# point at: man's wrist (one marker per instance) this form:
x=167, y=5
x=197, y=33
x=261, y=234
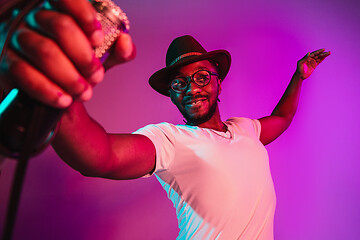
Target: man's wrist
x=298, y=76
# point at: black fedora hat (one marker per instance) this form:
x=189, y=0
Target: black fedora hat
x=185, y=50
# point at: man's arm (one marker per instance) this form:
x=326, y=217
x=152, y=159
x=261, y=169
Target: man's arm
x=51, y=58
x=274, y=125
x=83, y=144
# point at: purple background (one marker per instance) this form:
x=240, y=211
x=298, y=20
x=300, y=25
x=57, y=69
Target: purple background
x=315, y=164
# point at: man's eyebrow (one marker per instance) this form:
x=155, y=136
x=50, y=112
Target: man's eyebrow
x=179, y=74
x=202, y=68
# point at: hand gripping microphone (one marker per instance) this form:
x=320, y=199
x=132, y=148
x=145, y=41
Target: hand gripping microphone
x=26, y=120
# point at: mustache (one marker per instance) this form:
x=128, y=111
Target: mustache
x=191, y=98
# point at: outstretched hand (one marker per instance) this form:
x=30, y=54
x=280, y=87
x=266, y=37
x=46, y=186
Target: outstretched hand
x=310, y=61
x=51, y=56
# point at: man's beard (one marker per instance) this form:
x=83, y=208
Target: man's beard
x=195, y=121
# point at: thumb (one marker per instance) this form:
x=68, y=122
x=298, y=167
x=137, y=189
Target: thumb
x=305, y=57
x=123, y=51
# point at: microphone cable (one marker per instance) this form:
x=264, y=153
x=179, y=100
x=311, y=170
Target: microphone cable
x=33, y=125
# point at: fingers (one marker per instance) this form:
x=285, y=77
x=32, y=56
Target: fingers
x=123, y=51
x=85, y=15
x=305, y=57
x=72, y=41
x=315, y=57
x=52, y=56
x=320, y=52
x=21, y=74
x=48, y=58
x=317, y=52
x=319, y=55
x=54, y=62
x=322, y=56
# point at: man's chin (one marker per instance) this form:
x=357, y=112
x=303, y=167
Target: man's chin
x=197, y=119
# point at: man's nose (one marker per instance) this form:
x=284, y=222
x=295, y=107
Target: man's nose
x=192, y=88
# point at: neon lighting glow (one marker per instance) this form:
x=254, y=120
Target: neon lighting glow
x=8, y=99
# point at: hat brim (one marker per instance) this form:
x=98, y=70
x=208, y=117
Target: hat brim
x=159, y=81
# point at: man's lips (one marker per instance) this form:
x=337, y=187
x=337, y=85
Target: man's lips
x=195, y=101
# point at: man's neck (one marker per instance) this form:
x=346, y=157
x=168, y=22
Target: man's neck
x=214, y=123
x=218, y=126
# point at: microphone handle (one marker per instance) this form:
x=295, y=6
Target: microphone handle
x=18, y=109
x=15, y=119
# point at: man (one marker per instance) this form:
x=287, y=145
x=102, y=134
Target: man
x=216, y=173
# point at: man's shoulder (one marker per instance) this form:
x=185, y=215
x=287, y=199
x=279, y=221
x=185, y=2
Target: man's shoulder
x=164, y=127
x=240, y=120
x=248, y=125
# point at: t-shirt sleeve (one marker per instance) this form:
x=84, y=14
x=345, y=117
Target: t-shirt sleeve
x=257, y=127
x=246, y=126
x=163, y=140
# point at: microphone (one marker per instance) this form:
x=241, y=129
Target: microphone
x=27, y=122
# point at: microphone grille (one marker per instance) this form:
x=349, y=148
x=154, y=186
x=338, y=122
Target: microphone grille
x=114, y=22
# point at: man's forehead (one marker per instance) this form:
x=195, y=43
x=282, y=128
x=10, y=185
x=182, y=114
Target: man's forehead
x=192, y=67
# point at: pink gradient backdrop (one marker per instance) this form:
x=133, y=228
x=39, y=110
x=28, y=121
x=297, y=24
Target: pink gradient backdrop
x=315, y=164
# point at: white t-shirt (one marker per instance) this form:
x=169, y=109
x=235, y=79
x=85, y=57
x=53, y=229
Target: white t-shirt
x=219, y=183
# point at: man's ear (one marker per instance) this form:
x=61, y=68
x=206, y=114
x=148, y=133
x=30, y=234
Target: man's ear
x=171, y=98
x=219, y=86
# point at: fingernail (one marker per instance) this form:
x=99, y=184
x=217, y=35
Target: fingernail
x=97, y=37
x=86, y=95
x=84, y=83
x=97, y=24
x=127, y=45
x=64, y=100
x=97, y=76
x=96, y=62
